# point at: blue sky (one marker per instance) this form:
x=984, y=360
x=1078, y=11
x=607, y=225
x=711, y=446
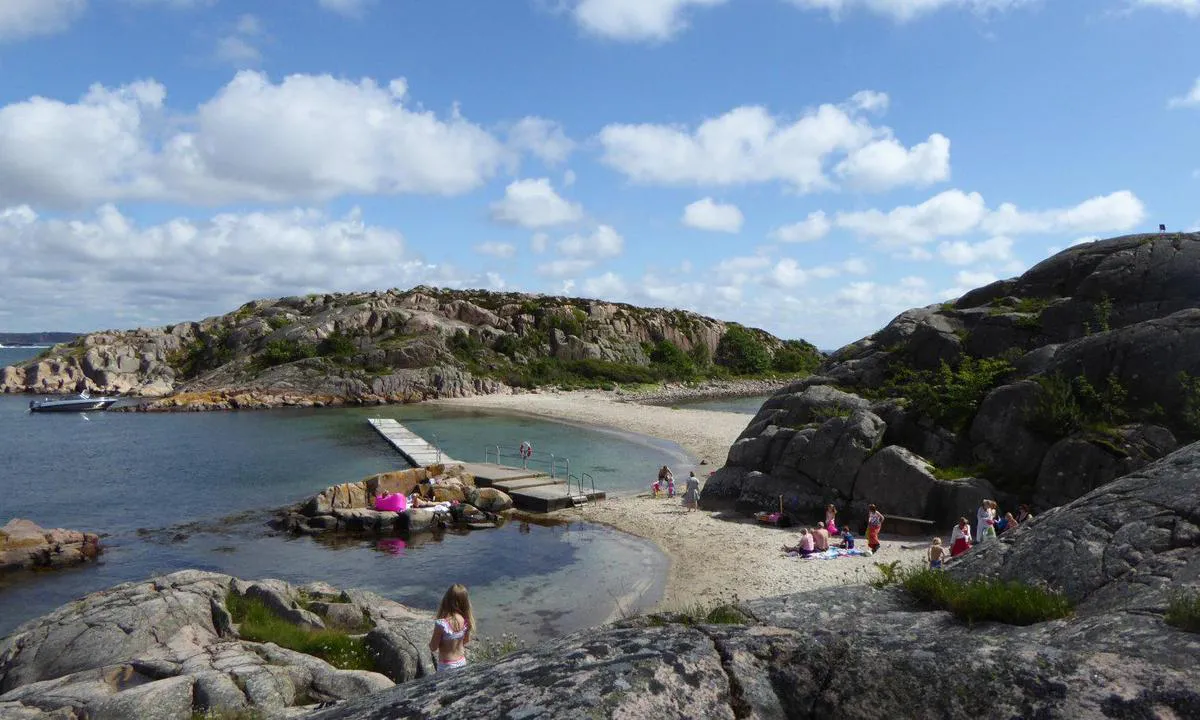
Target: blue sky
x=812, y=167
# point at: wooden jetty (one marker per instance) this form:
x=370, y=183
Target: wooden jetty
x=530, y=490
x=415, y=449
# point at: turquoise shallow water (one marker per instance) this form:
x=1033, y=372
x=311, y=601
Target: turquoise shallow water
x=195, y=490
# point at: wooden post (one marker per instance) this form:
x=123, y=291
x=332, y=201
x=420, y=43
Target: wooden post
x=780, y=506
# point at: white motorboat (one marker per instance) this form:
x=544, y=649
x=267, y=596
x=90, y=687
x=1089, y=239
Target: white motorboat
x=83, y=402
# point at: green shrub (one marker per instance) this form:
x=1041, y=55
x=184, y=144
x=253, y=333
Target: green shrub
x=701, y=356
x=982, y=599
x=742, y=351
x=1183, y=611
x=280, y=352
x=507, y=345
x=828, y=412
x=1067, y=406
x=278, y=322
x=950, y=395
x=796, y=356
x=257, y=623
x=722, y=613
x=337, y=345
x=464, y=346
x=672, y=362
x=1102, y=314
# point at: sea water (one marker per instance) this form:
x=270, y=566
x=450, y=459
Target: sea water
x=195, y=490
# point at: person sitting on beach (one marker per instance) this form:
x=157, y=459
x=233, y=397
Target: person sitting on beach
x=820, y=539
x=936, y=554
x=847, y=539
x=1023, y=515
x=452, y=629
x=806, y=546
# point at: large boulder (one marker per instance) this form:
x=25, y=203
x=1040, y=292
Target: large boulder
x=1000, y=434
x=896, y=480
x=170, y=648
x=1077, y=465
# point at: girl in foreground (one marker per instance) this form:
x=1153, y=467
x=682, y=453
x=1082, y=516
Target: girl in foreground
x=452, y=629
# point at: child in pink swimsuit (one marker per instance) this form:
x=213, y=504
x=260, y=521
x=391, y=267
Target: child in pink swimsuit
x=452, y=629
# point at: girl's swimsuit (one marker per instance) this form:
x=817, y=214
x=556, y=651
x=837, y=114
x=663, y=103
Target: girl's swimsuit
x=449, y=634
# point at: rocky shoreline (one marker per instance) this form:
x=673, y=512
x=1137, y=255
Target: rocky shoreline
x=26, y=546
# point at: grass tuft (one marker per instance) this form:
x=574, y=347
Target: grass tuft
x=977, y=600
x=489, y=648
x=1183, y=611
x=257, y=623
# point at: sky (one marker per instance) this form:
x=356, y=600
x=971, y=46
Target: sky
x=811, y=167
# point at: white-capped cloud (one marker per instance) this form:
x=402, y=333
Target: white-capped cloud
x=636, y=20
x=125, y=273
x=542, y=138
x=603, y=242
x=306, y=137
x=240, y=46
x=22, y=19
x=813, y=227
x=885, y=164
x=535, y=204
x=1189, y=99
x=905, y=10
x=750, y=145
x=708, y=214
x=348, y=8
x=960, y=252
x=496, y=249
x=1187, y=7
x=955, y=213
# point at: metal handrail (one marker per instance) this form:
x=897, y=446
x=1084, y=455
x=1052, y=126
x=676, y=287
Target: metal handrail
x=579, y=481
x=548, y=460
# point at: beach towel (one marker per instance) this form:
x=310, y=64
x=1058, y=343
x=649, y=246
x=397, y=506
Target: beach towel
x=835, y=553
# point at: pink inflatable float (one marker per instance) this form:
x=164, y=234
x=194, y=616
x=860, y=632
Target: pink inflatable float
x=391, y=503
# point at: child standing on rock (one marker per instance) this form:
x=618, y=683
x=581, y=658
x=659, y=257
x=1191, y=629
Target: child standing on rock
x=452, y=629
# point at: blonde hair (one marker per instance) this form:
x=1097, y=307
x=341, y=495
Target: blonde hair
x=937, y=541
x=456, y=601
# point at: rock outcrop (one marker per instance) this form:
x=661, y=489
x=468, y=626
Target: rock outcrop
x=169, y=648
x=351, y=507
x=378, y=347
x=1035, y=389
x=861, y=653
x=26, y=546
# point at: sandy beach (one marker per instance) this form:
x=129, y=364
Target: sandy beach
x=712, y=558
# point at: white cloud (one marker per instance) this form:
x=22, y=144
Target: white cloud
x=564, y=268
x=869, y=101
x=1187, y=7
x=749, y=145
x=496, y=249
x=535, y=204
x=608, y=285
x=238, y=48
x=307, y=137
x=542, y=138
x=539, y=242
x=905, y=10
x=885, y=164
x=349, y=8
x=1192, y=97
x=959, y=252
x=119, y=271
x=967, y=280
x=569, y=178
x=604, y=242
x=707, y=214
x=814, y=227
x=954, y=212
x=1121, y=210
x=21, y=19
x=636, y=20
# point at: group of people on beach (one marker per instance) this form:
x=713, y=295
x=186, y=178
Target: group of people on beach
x=989, y=525
x=666, y=482
x=817, y=540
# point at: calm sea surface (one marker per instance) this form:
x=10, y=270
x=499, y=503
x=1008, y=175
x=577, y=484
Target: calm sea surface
x=194, y=490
